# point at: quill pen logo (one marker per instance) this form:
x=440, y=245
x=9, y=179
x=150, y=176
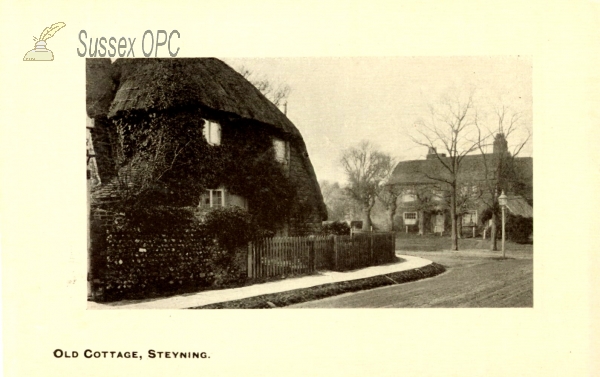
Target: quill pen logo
x=40, y=52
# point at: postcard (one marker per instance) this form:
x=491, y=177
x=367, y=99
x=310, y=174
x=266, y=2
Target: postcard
x=364, y=172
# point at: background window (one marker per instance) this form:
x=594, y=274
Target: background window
x=409, y=196
x=410, y=218
x=470, y=218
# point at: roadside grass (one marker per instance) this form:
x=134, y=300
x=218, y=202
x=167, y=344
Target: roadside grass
x=322, y=291
x=431, y=242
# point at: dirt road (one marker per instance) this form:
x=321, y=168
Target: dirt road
x=472, y=279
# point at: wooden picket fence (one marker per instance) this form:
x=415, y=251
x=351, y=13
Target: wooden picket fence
x=363, y=250
x=284, y=256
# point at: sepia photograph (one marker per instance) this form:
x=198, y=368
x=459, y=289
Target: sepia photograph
x=363, y=170
x=310, y=182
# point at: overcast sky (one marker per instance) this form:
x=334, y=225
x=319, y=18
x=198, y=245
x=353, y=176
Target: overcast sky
x=337, y=102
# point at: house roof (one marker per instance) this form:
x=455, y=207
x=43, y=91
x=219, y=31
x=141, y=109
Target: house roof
x=100, y=86
x=517, y=205
x=146, y=84
x=472, y=169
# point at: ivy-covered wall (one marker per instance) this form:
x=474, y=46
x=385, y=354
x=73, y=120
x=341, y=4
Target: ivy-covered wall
x=279, y=196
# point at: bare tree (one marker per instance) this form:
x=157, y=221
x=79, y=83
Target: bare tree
x=467, y=197
x=499, y=166
x=366, y=168
x=388, y=196
x=452, y=128
x=276, y=93
x=339, y=205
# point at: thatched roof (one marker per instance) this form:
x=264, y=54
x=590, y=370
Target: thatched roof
x=146, y=84
x=99, y=85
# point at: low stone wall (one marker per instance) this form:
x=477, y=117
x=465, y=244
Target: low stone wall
x=134, y=265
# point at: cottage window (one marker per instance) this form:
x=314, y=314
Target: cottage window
x=280, y=149
x=212, y=132
x=469, y=218
x=213, y=199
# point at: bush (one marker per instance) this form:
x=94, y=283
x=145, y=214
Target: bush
x=157, y=219
x=231, y=227
x=486, y=215
x=337, y=228
x=518, y=228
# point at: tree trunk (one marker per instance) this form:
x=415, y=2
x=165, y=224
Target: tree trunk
x=392, y=213
x=367, y=219
x=421, y=223
x=494, y=232
x=453, y=218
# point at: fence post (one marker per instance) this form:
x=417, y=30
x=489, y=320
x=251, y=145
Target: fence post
x=372, y=252
x=335, y=253
x=250, y=260
x=393, y=247
x=312, y=256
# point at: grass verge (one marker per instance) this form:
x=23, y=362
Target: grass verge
x=314, y=293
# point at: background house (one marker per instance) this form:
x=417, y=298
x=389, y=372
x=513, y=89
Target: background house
x=234, y=117
x=423, y=204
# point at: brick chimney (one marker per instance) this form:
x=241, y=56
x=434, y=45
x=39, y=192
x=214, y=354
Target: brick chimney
x=500, y=144
x=431, y=153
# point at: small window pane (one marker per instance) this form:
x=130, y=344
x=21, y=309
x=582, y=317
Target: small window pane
x=212, y=132
x=217, y=198
x=215, y=134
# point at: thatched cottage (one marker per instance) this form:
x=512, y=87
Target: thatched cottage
x=194, y=94
x=424, y=200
